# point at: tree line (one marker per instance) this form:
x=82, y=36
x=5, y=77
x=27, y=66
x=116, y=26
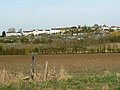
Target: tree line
x=62, y=46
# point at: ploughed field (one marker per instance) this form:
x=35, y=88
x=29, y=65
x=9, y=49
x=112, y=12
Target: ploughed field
x=75, y=64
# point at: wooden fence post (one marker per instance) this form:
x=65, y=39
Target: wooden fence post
x=46, y=71
x=32, y=67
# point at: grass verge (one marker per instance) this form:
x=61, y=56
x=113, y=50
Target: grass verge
x=96, y=82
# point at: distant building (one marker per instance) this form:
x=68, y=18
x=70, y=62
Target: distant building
x=105, y=28
x=35, y=32
x=11, y=34
x=56, y=30
x=48, y=31
x=115, y=27
x=26, y=33
x=40, y=31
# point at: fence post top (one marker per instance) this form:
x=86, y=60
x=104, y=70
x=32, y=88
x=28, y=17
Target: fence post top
x=33, y=57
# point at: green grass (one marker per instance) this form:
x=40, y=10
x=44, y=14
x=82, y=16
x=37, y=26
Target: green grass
x=75, y=83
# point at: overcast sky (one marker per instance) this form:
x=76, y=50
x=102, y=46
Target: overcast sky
x=29, y=14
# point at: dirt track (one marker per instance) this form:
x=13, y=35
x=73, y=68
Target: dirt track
x=73, y=63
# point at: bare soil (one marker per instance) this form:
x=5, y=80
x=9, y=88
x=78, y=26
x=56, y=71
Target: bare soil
x=75, y=64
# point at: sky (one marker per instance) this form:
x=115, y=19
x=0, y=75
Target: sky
x=30, y=14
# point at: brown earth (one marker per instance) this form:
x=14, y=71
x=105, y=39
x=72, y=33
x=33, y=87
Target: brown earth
x=75, y=64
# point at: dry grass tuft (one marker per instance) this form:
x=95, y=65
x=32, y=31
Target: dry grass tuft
x=107, y=72
x=8, y=77
x=105, y=87
x=38, y=77
x=62, y=74
x=3, y=75
x=118, y=75
x=52, y=75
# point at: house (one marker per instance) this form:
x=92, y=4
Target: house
x=40, y=31
x=115, y=27
x=105, y=28
x=47, y=31
x=35, y=32
x=26, y=33
x=11, y=34
x=58, y=30
x=19, y=34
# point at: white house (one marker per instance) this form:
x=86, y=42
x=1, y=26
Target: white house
x=40, y=31
x=26, y=33
x=19, y=34
x=57, y=30
x=115, y=27
x=105, y=28
x=47, y=31
x=35, y=32
x=11, y=34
